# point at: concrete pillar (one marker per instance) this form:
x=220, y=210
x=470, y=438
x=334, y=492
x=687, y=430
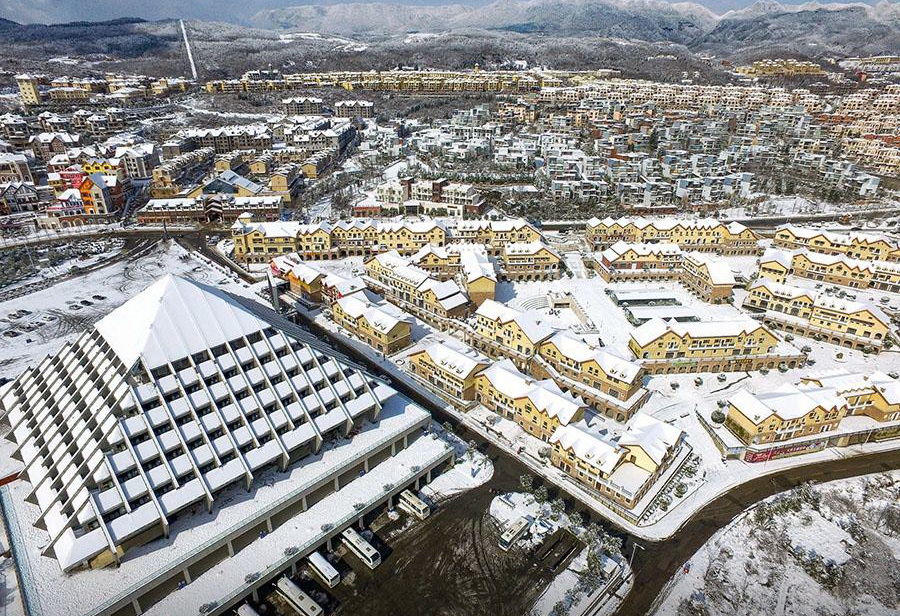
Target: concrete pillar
x=405, y=441
x=303, y=502
x=269, y=524
x=337, y=484
x=418, y=479
x=390, y=502
x=428, y=476
x=360, y=523
x=187, y=575
x=255, y=595
x=230, y=549
x=136, y=606
x=393, y=449
x=293, y=568
x=329, y=544
x=366, y=465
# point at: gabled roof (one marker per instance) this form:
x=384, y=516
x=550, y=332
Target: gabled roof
x=459, y=362
x=545, y=395
x=786, y=402
x=601, y=453
x=655, y=437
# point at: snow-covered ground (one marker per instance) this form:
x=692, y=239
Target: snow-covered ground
x=471, y=470
x=58, y=313
x=826, y=549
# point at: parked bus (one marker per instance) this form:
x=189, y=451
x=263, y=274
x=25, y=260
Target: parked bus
x=413, y=505
x=324, y=570
x=298, y=599
x=362, y=548
x=247, y=610
x=513, y=533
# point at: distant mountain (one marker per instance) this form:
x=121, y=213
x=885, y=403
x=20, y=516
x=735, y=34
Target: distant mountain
x=768, y=27
x=811, y=28
x=650, y=20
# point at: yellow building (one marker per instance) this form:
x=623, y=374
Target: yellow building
x=622, y=469
x=354, y=237
x=873, y=394
x=256, y=242
x=530, y=261
x=672, y=347
x=29, y=92
x=609, y=383
x=539, y=407
x=702, y=234
x=408, y=237
x=711, y=280
x=844, y=271
x=788, y=412
x=501, y=331
x=448, y=369
x=775, y=265
x=496, y=234
x=855, y=245
x=831, y=319
x=383, y=327
x=412, y=288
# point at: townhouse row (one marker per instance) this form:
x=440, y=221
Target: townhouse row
x=258, y=242
x=836, y=269
x=708, y=278
x=622, y=469
x=848, y=323
x=701, y=235
x=610, y=384
x=814, y=406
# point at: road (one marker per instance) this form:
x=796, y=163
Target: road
x=657, y=562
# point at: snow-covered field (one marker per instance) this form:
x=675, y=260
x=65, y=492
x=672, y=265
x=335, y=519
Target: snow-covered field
x=59, y=313
x=826, y=549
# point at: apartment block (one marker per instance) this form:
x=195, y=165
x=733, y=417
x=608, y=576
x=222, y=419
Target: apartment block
x=622, y=469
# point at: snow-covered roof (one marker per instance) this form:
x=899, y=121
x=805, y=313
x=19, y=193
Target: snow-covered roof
x=781, y=257
x=528, y=248
x=600, y=452
x=534, y=329
x=787, y=402
x=460, y=362
x=382, y=316
x=642, y=250
x=719, y=272
x=176, y=352
x=656, y=327
x=580, y=351
x=545, y=396
x=655, y=437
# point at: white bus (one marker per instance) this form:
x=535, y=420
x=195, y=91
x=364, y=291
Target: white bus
x=362, y=548
x=413, y=505
x=247, y=610
x=513, y=533
x=324, y=570
x=298, y=599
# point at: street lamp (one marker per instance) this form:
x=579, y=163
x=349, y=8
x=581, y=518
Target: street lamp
x=634, y=544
